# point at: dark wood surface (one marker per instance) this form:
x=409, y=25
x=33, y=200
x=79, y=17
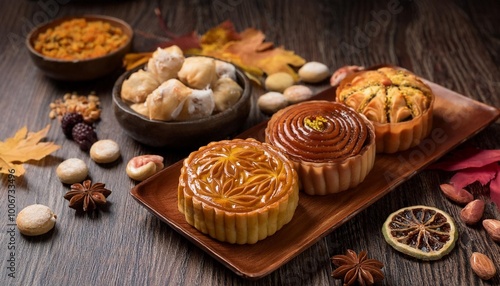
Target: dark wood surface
x=455, y=44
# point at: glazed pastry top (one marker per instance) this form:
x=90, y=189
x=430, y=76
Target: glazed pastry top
x=237, y=175
x=386, y=95
x=319, y=131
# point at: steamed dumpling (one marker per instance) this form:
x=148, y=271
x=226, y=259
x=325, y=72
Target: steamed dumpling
x=200, y=103
x=225, y=69
x=166, y=102
x=138, y=86
x=198, y=72
x=166, y=63
x=140, y=108
x=226, y=93
x=172, y=100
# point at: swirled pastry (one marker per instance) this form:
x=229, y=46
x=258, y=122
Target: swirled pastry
x=397, y=102
x=238, y=191
x=331, y=146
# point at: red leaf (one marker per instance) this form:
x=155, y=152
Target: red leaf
x=468, y=176
x=185, y=42
x=495, y=189
x=468, y=158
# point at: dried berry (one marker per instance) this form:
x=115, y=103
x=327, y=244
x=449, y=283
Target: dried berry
x=68, y=121
x=84, y=135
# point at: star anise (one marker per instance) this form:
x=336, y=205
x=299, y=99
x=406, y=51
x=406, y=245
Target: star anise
x=87, y=196
x=352, y=268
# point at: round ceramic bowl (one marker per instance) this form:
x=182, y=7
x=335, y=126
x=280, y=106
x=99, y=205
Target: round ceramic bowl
x=182, y=134
x=79, y=70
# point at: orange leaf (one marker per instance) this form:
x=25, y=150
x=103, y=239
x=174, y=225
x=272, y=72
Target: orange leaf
x=23, y=147
x=249, y=52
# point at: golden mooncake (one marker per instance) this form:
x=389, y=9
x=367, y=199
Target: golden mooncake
x=238, y=191
x=397, y=102
x=331, y=146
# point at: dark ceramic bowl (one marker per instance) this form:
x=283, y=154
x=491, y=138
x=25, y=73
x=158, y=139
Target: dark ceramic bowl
x=79, y=70
x=182, y=134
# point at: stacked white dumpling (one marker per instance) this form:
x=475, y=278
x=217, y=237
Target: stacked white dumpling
x=175, y=88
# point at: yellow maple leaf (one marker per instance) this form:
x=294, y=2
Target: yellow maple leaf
x=23, y=147
x=251, y=53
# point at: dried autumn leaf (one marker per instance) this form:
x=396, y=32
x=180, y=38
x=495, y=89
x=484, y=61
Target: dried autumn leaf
x=468, y=176
x=23, y=147
x=495, y=189
x=249, y=52
x=468, y=158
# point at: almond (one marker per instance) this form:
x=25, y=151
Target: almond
x=482, y=266
x=492, y=227
x=460, y=196
x=472, y=212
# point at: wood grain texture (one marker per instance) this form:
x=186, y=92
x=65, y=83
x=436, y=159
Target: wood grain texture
x=453, y=43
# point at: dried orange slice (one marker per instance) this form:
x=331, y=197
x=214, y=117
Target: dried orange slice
x=422, y=232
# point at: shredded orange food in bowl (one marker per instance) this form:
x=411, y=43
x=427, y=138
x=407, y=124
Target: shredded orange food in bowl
x=79, y=39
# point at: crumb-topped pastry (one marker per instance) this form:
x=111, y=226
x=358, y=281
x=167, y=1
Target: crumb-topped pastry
x=397, y=102
x=238, y=191
x=331, y=146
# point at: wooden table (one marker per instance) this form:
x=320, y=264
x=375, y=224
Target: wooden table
x=452, y=43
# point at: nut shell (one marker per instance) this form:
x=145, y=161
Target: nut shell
x=35, y=220
x=72, y=170
x=482, y=266
x=461, y=196
x=492, y=227
x=105, y=151
x=472, y=212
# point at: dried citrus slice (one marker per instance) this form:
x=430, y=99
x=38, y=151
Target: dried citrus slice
x=422, y=232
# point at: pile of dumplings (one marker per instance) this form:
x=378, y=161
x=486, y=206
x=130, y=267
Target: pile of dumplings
x=177, y=88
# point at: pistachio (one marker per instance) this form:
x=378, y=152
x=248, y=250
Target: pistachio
x=472, y=212
x=278, y=81
x=492, y=227
x=459, y=196
x=482, y=266
x=142, y=167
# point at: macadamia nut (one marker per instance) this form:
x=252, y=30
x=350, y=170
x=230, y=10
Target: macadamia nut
x=278, y=81
x=297, y=93
x=271, y=102
x=72, y=171
x=142, y=167
x=35, y=220
x=313, y=72
x=105, y=151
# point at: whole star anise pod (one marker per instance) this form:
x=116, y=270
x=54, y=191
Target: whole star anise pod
x=87, y=196
x=352, y=268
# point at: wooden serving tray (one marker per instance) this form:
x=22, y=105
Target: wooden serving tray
x=456, y=118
